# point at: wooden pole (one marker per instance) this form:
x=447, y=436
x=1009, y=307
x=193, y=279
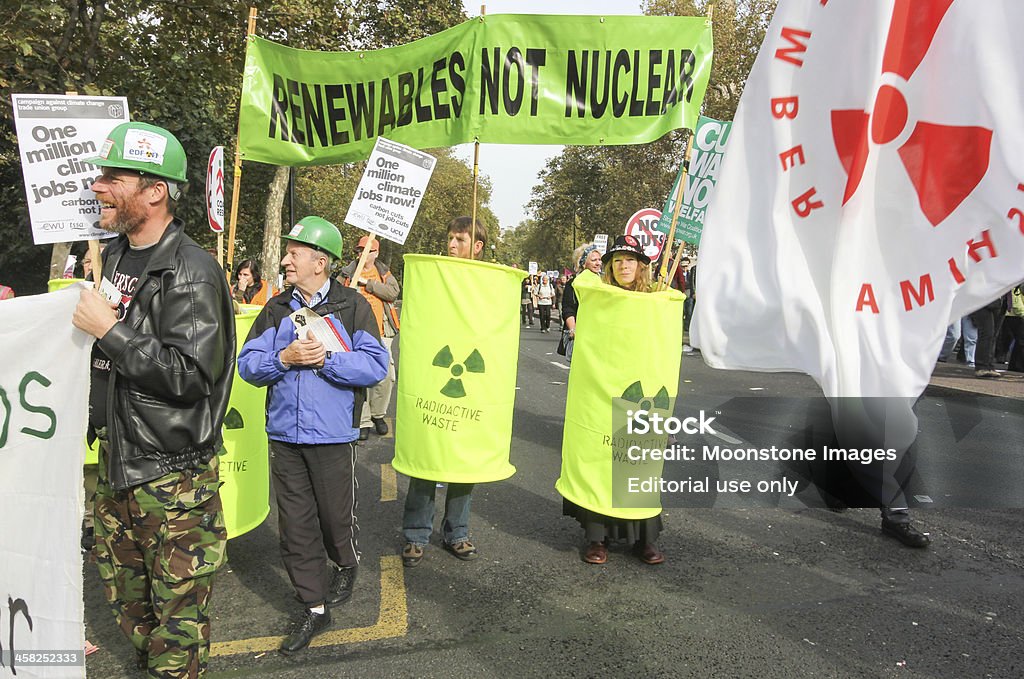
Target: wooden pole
x=476, y=177
x=476, y=174
x=97, y=263
x=680, y=191
x=250, y=31
x=371, y=239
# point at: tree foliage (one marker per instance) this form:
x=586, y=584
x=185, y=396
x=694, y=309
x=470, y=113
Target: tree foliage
x=180, y=65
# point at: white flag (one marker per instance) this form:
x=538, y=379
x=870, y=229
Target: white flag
x=44, y=397
x=872, y=192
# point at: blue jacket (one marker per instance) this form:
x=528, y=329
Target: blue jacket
x=315, y=405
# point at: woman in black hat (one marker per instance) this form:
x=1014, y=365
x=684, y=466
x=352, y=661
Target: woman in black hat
x=627, y=267
x=630, y=267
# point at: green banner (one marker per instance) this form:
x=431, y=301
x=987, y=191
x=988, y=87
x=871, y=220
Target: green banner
x=709, y=143
x=244, y=459
x=459, y=349
x=506, y=79
x=626, y=357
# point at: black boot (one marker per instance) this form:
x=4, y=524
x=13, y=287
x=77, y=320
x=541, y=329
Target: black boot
x=342, y=581
x=306, y=627
x=905, y=533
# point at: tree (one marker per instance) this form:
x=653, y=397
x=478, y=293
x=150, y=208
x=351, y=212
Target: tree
x=180, y=66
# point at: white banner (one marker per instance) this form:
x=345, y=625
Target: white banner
x=44, y=396
x=859, y=211
x=56, y=133
x=391, y=190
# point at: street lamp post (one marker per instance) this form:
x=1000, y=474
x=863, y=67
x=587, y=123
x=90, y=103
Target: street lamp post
x=494, y=253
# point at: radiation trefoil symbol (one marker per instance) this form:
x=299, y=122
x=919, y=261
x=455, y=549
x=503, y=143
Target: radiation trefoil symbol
x=634, y=393
x=943, y=162
x=474, y=363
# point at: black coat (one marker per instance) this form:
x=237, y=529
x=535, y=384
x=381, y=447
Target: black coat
x=172, y=362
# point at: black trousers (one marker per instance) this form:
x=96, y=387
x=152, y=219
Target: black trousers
x=985, y=320
x=545, y=316
x=315, y=488
x=1015, y=325
x=526, y=314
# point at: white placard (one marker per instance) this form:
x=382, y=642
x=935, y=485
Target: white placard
x=55, y=134
x=215, y=189
x=533, y=268
x=601, y=242
x=42, y=449
x=391, y=190
x=308, y=321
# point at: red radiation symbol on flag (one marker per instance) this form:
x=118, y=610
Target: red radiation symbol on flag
x=944, y=162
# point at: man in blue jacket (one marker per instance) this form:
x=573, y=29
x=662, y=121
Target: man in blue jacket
x=314, y=401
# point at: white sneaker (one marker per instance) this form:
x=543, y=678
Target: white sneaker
x=687, y=349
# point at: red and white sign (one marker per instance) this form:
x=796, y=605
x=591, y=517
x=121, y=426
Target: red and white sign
x=857, y=216
x=643, y=225
x=215, y=189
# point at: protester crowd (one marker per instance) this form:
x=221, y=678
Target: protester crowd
x=162, y=367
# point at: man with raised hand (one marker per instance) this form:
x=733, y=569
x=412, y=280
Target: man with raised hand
x=315, y=393
x=162, y=368
x=380, y=288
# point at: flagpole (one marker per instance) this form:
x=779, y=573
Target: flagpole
x=236, y=185
x=680, y=190
x=476, y=176
x=370, y=240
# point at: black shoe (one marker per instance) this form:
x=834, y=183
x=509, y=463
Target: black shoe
x=305, y=628
x=340, y=590
x=380, y=426
x=364, y=433
x=905, y=533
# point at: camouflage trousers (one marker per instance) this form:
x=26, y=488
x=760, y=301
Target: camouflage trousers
x=158, y=546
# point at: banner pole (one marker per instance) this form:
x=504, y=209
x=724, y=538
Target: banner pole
x=680, y=190
x=476, y=176
x=236, y=184
x=97, y=263
x=94, y=243
x=354, y=283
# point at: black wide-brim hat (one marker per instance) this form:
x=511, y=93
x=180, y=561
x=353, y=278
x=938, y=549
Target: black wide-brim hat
x=628, y=244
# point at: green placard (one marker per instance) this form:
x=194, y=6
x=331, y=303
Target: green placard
x=626, y=355
x=506, y=79
x=709, y=144
x=459, y=351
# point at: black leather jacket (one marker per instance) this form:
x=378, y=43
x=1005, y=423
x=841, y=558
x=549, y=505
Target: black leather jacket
x=172, y=362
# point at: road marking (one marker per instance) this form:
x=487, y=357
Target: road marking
x=562, y=383
x=559, y=365
x=392, y=620
x=728, y=439
x=388, y=483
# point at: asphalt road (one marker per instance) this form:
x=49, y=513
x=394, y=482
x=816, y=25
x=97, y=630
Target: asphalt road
x=786, y=591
